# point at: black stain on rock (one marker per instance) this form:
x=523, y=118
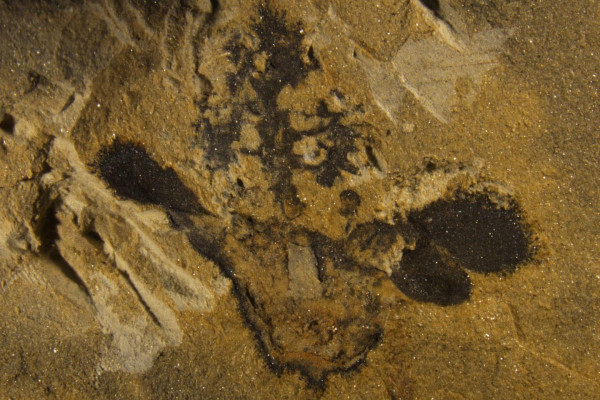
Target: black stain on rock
x=339, y=144
x=467, y=231
x=133, y=174
x=278, y=57
x=282, y=50
x=425, y=276
x=478, y=234
x=7, y=124
x=234, y=49
x=282, y=45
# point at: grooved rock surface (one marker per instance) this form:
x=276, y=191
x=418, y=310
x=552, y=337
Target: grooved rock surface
x=322, y=199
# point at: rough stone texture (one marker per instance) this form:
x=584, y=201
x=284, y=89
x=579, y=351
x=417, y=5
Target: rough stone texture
x=321, y=199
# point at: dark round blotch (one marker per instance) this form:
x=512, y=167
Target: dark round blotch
x=350, y=201
x=423, y=276
x=133, y=174
x=477, y=233
x=7, y=123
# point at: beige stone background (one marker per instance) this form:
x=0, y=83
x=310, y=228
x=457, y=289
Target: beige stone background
x=510, y=87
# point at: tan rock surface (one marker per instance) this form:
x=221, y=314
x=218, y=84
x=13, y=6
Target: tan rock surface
x=321, y=199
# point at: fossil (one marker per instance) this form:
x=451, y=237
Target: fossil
x=314, y=291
